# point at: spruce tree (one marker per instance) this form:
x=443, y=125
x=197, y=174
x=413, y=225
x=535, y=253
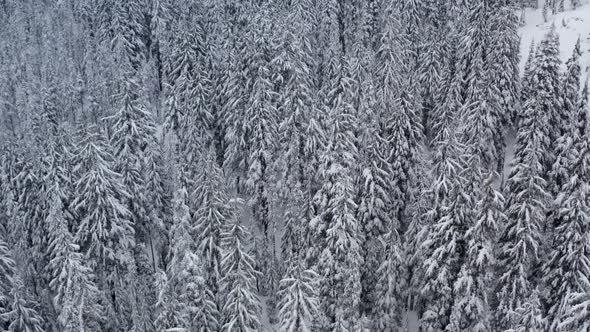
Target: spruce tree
x=568, y=263
x=211, y=220
x=569, y=114
x=104, y=231
x=241, y=307
x=336, y=228
x=76, y=296
x=546, y=96
x=298, y=292
x=527, y=203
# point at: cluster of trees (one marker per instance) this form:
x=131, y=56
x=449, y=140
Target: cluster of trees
x=174, y=165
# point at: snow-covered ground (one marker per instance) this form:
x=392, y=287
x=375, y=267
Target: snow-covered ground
x=570, y=25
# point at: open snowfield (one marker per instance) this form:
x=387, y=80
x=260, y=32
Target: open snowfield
x=570, y=25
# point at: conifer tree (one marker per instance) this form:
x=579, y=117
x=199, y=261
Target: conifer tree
x=77, y=297
x=21, y=314
x=545, y=96
x=443, y=246
x=104, y=229
x=569, y=114
x=336, y=227
x=503, y=58
x=298, y=292
x=568, y=263
x=105, y=234
x=579, y=309
x=527, y=204
x=241, y=306
x=472, y=308
x=7, y=266
x=211, y=220
x=529, y=316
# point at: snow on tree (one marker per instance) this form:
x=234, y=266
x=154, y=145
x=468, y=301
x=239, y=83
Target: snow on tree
x=105, y=231
x=77, y=297
x=527, y=203
x=577, y=317
x=502, y=59
x=445, y=213
x=242, y=306
x=546, y=96
x=211, y=220
x=561, y=168
x=298, y=293
x=472, y=308
x=336, y=227
x=7, y=266
x=529, y=315
x=568, y=263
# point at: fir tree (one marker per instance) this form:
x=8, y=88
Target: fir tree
x=211, y=220
x=77, y=297
x=299, y=303
x=472, y=308
x=529, y=317
x=336, y=227
x=526, y=211
x=241, y=307
x=104, y=229
x=569, y=257
x=579, y=309
x=546, y=96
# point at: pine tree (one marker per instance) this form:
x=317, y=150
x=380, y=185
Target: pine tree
x=7, y=266
x=579, y=309
x=211, y=220
x=472, y=308
x=529, y=316
x=77, y=297
x=241, y=307
x=21, y=314
x=105, y=232
x=133, y=132
x=299, y=303
x=527, y=204
x=446, y=212
x=336, y=227
x=569, y=116
x=545, y=96
x=503, y=59
x=568, y=264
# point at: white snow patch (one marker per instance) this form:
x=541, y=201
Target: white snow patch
x=569, y=24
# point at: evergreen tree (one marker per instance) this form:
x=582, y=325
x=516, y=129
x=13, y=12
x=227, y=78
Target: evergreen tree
x=211, y=219
x=472, y=308
x=570, y=88
x=546, y=96
x=336, y=227
x=529, y=317
x=445, y=214
x=579, y=305
x=77, y=297
x=502, y=61
x=21, y=314
x=104, y=231
x=569, y=257
x=298, y=292
x=7, y=266
x=526, y=211
x=241, y=307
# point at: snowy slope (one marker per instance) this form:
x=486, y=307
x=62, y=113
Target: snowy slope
x=570, y=25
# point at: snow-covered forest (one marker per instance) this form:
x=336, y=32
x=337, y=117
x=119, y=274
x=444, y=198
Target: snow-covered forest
x=294, y=165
